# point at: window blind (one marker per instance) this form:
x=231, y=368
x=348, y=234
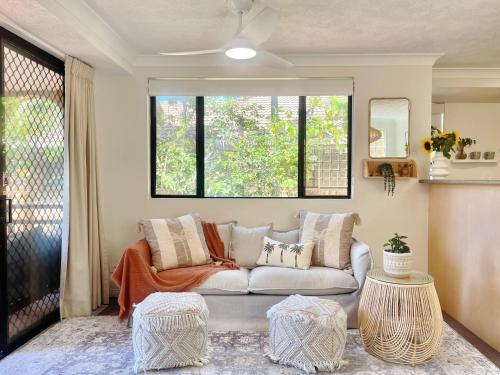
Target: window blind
x=250, y=87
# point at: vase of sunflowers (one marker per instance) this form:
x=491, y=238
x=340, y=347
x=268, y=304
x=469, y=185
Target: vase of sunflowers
x=440, y=166
x=440, y=145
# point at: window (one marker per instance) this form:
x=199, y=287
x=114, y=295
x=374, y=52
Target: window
x=327, y=143
x=175, y=145
x=249, y=146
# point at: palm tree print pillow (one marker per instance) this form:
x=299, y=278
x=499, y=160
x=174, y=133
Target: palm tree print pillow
x=279, y=254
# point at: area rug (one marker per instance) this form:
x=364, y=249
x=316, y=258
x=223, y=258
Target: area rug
x=102, y=345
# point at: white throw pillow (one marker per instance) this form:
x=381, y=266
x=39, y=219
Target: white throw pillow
x=177, y=242
x=280, y=254
x=225, y=230
x=290, y=236
x=246, y=244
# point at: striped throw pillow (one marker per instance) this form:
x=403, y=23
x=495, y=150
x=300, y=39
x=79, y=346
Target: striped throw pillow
x=176, y=243
x=332, y=237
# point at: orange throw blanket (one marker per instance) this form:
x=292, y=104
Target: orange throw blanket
x=137, y=279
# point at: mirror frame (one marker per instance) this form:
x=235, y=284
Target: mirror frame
x=370, y=125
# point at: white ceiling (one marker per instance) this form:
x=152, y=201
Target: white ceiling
x=467, y=31
x=39, y=24
x=107, y=32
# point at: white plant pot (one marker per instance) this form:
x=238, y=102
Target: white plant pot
x=398, y=265
x=440, y=167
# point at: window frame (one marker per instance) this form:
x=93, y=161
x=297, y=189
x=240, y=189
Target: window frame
x=200, y=154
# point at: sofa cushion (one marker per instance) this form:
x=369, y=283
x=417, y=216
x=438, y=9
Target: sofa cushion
x=225, y=282
x=315, y=281
x=290, y=236
x=246, y=244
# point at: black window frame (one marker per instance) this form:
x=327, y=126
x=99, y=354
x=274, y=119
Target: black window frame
x=200, y=155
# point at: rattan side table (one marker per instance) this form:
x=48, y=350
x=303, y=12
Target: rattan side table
x=400, y=320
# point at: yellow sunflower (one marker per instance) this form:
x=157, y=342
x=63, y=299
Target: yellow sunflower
x=457, y=138
x=443, y=134
x=426, y=145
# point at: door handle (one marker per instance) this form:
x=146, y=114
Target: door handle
x=9, y=209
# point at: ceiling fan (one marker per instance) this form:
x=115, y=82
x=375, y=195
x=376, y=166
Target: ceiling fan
x=245, y=42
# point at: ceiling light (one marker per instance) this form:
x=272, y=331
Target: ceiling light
x=240, y=49
x=241, y=53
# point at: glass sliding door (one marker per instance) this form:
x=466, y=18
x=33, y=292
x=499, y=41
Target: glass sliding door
x=32, y=170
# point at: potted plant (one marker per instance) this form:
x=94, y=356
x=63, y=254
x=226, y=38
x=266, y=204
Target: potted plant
x=462, y=144
x=387, y=172
x=397, y=257
x=442, y=144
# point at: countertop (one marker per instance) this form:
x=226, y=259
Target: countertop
x=459, y=182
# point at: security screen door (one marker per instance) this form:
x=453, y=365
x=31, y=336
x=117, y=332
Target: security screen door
x=32, y=172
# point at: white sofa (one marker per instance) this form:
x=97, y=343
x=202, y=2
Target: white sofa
x=239, y=299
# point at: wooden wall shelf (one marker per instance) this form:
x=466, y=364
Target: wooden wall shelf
x=474, y=161
x=403, y=168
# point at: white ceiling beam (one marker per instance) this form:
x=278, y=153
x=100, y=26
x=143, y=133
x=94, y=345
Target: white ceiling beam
x=364, y=59
x=13, y=27
x=466, y=77
x=84, y=20
x=299, y=60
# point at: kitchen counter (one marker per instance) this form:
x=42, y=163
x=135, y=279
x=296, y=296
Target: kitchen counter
x=464, y=256
x=459, y=182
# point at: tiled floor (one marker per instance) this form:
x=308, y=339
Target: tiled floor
x=479, y=344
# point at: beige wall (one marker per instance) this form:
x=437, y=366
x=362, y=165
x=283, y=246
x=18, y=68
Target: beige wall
x=480, y=121
x=122, y=134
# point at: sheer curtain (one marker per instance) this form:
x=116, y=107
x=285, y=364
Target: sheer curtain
x=84, y=265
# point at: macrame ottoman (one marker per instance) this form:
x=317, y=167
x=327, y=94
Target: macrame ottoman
x=170, y=330
x=308, y=333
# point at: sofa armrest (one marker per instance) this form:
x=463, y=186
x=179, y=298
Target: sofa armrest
x=141, y=248
x=136, y=256
x=361, y=261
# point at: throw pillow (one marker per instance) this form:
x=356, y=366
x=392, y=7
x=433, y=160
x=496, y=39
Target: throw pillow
x=246, y=244
x=176, y=243
x=225, y=230
x=290, y=236
x=280, y=254
x=332, y=237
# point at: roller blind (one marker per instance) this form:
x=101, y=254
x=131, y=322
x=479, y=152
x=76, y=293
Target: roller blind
x=250, y=87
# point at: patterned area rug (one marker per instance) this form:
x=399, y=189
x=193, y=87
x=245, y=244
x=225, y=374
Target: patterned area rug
x=102, y=345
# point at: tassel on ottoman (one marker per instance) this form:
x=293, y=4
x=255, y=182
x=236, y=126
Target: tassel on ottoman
x=308, y=333
x=170, y=330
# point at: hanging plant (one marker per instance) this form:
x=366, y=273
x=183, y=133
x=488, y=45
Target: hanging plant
x=386, y=170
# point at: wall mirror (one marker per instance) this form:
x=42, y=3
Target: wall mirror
x=389, y=127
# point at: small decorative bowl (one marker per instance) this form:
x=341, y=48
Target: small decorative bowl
x=475, y=155
x=489, y=155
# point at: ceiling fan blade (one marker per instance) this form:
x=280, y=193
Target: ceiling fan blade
x=272, y=60
x=260, y=28
x=192, y=53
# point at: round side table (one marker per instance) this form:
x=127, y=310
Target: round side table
x=400, y=320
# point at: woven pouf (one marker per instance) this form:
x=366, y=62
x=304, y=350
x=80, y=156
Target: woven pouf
x=170, y=330
x=308, y=333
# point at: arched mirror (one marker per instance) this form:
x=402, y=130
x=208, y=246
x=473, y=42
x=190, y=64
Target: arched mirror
x=389, y=127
